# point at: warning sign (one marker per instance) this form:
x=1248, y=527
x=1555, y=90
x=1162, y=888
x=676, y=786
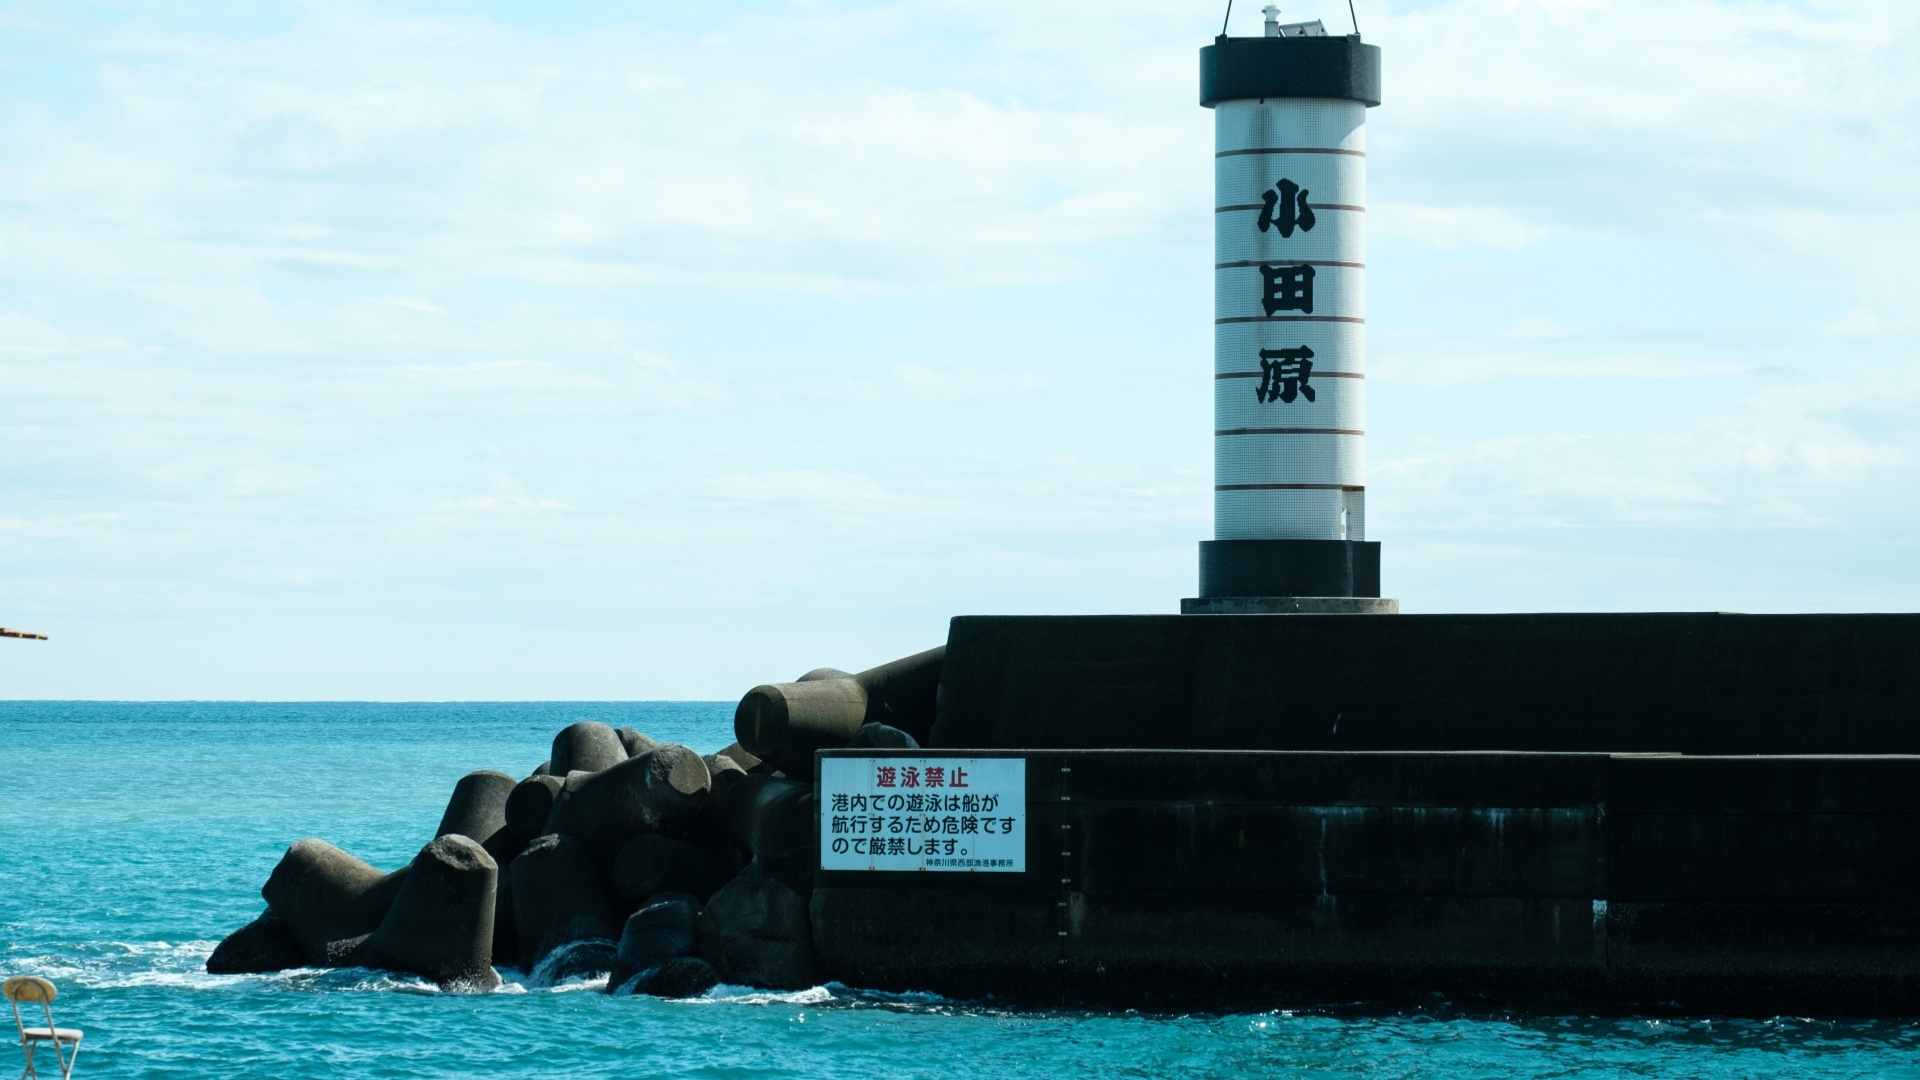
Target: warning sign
x=901, y=813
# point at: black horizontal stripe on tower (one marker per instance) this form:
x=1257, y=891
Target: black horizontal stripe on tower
x=1316, y=206
x=1288, y=150
x=1287, y=318
x=1288, y=262
x=1289, y=487
x=1288, y=431
x=1317, y=373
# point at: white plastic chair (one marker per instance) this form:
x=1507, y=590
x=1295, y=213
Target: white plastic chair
x=32, y=988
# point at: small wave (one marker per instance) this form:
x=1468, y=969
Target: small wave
x=181, y=980
x=344, y=980
x=567, y=968
x=917, y=998
x=194, y=950
x=753, y=995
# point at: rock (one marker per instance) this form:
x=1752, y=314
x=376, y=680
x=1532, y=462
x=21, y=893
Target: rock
x=649, y=863
x=685, y=977
x=881, y=737
x=634, y=741
x=755, y=932
x=587, y=746
x=478, y=810
x=659, y=791
x=325, y=895
x=263, y=945
x=530, y=803
x=659, y=932
x=559, y=897
x=441, y=921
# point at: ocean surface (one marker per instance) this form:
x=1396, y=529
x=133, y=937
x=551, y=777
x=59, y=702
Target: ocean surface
x=134, y=836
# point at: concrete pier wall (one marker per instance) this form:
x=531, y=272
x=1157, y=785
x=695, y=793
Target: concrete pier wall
x=1190, y=878
x=1688, y=683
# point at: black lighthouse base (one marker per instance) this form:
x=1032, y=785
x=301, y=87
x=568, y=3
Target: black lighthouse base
x=1289, y=576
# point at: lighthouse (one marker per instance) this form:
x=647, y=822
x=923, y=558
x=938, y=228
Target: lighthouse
x=1289, y=324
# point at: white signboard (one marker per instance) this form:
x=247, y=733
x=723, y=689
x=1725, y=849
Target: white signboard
x=904, y=813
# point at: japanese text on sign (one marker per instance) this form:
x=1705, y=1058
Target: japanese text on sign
x=898, y=813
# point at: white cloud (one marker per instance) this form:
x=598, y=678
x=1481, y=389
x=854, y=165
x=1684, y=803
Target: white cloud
x=883, y=311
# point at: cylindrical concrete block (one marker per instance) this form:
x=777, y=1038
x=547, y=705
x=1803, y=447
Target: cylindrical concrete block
x=781, y=823
x=786, y=722
x=821, y=674
x=740, y=756
x=650, y=863
x=587, y=746
x=708, y=831
x=478, y=810
x=576, y=959
x=682, y=977
x=755, y=931
x=655, y=934
x=559, y=896
x=506, y=927
x=739, y=808
x=725, y=772
x=530, y=803
x=478, y=807
x=325, y=895
x=441, y=921
x=882, y=737
x=263, y=945
x=659, y=791
x=902, y=694
x=635, y=742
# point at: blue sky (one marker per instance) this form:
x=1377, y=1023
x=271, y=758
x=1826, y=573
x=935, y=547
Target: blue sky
x=653, y=350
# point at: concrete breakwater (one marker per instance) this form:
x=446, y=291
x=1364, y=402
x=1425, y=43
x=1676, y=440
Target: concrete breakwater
x=1709, y=812
x=666, y=870
x=646, y=865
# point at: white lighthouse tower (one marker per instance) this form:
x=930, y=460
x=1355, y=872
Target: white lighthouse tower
x=1289, y=338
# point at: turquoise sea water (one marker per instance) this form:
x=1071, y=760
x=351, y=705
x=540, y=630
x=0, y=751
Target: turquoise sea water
x=134, y=836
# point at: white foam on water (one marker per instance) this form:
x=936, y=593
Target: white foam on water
x=541, y=978
x=597, y=983
x=753, y=995
x=884, y=997
x=179, y=980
